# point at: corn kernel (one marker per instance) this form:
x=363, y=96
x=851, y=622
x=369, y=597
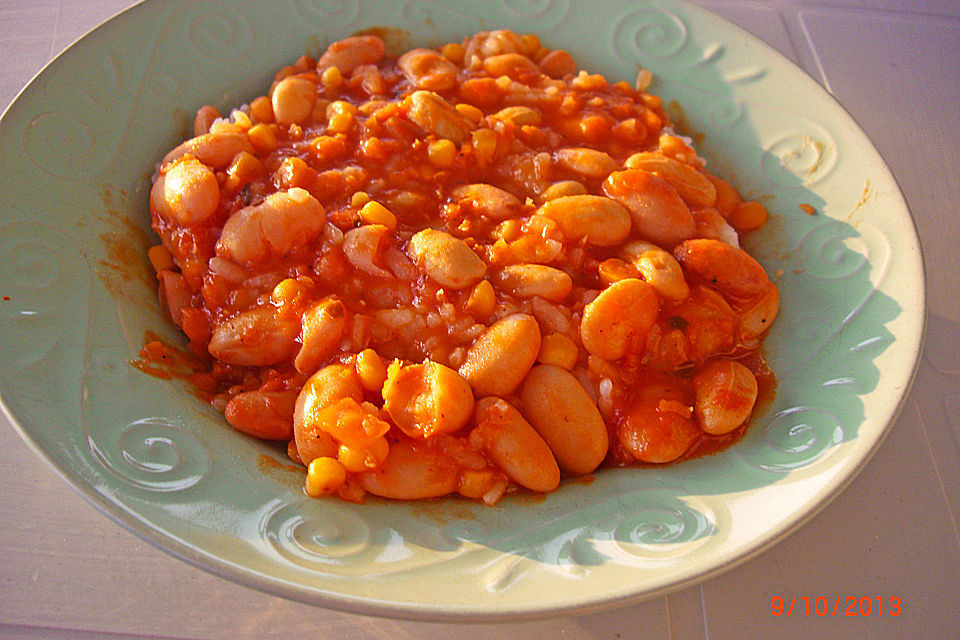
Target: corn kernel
x=374, y=149
x=160, y=258
x=454, y=52
x=677, y=148
x=560, y=350
x=470, y=112
x=519, y=115
x=340, y=106
x=360, y=460
x=588, y=81
x=224, y=126
x=285, y=72
x=340, y=122
x=644, y=79
x=262, y=137
x=442, y=152
x=286, y=292
x=304, y=63
x=407, y=200
x=324, y=477
x=492, y=496
x=261, y=109
x=352, y=459
x=508, y=230
x=474, y=484
x=375, y=213
x=331, y=78
x=629, y=131
x=370, y=369
x=482, y=300
x=533, y=136
x=529, y=43
x=594, y=127
x=747, y=216
x=484, y=145
x=294, y=172
x=652, y=122
x=563, y=188
x=370, y=107
x=727, y=196
x=613, y=269
x=340, y=116
x=327, y=148
x=569, y=105
x=359, y=199
x=244, y=168
x=240, y=118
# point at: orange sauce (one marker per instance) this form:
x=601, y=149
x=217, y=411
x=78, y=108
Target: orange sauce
x=160, y=359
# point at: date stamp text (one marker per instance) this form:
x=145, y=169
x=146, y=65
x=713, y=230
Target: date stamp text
x=840, y=605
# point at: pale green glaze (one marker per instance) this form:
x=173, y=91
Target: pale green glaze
x=79, y=146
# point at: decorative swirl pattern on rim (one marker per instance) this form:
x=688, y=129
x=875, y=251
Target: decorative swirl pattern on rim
x=328, y=14
x=427, y=15
x=60, y=145
x=794, y=438
x=825, y=254
x=541, y=15
x=164, y=85
x=154, y=454
x=651, y=526
x=725, y=113
x=570, y=554
x=219, y=31
x=746, y=74
x=807, y=156
x=31, y=257
x=652, y=523
x=660, y=526
x=649, y=32
x=315, y=536
x=809, y=333
x=32, y=274
x=503, y=573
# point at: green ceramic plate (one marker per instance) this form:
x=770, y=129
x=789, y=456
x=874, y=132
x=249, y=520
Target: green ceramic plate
x=79, y=145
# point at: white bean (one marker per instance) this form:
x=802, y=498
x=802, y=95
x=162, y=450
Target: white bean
x=282, y=223
x=597, y=220
x=515, y=446
x=500, y=358
x=446, y=259
x=565, y=416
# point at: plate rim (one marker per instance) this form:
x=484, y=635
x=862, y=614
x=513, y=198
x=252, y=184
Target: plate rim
x=173, y=545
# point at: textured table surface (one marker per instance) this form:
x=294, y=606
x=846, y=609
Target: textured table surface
x=66, y=571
